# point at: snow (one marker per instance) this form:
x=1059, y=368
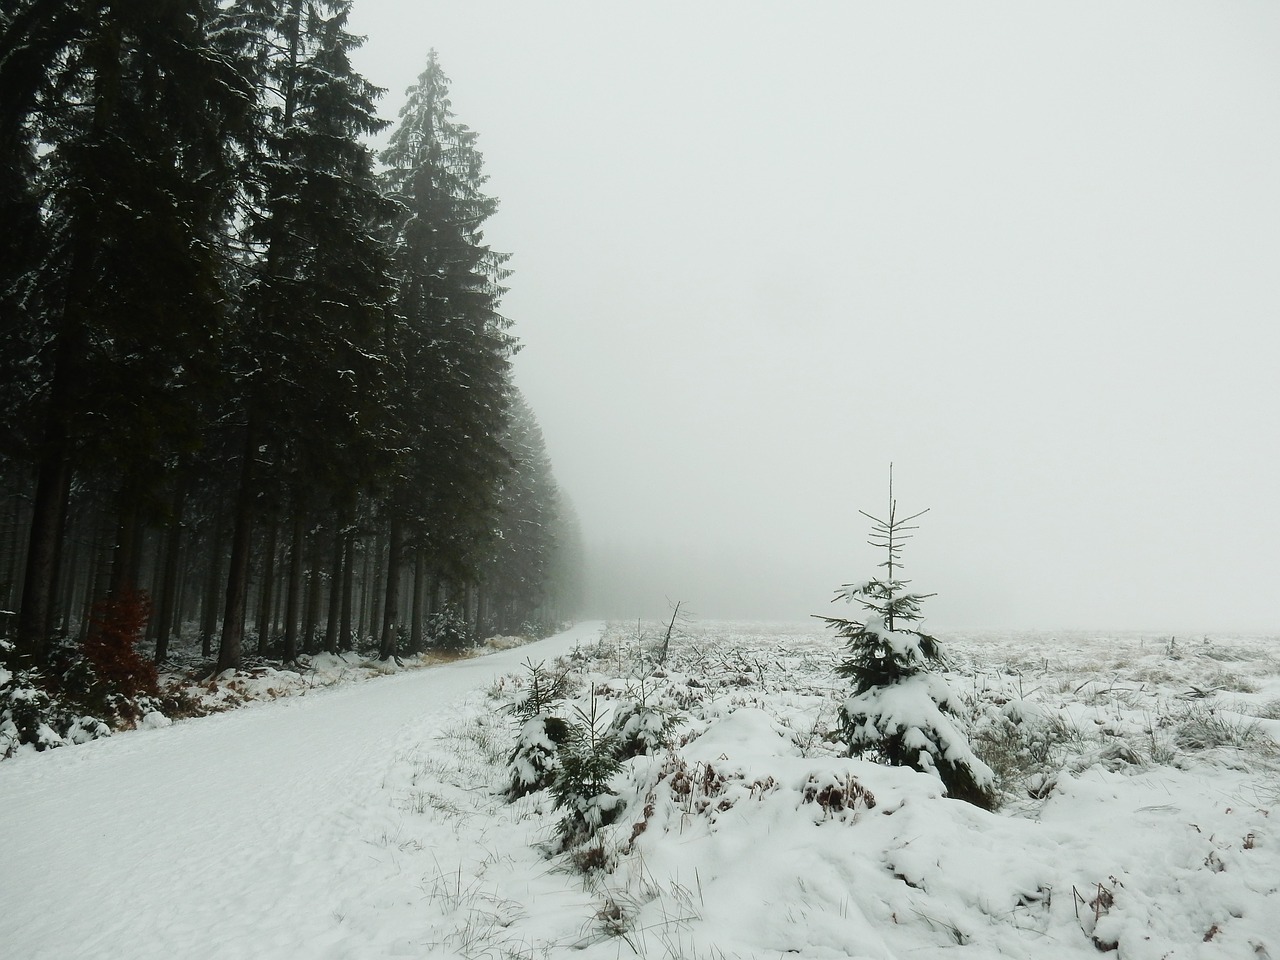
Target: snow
x=256, y=832
x=368, y=819
x=910, y=706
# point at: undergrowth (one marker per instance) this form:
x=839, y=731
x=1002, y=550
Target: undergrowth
x=84, y=691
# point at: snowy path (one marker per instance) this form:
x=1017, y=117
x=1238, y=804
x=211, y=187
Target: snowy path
x=245, y=834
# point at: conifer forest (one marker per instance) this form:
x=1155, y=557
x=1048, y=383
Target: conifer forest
x=256, y=381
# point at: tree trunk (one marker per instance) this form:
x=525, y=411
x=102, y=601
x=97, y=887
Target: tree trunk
x=390, y=624
x=362, y=608
x=279, y=604
x=336, y=581
x=168, y=601
x=232, y=641
x=13, y=536
x=265, y=598
x=345, y=640
x=418, y=614
x=72, y=538
x=182, y=592
x=315, y=589
x=293, y=606
x=209, y=601
x=373, y=587
x=481, y=600
x=35, y=620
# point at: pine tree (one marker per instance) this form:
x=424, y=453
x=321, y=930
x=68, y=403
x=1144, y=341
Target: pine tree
x=901, y=711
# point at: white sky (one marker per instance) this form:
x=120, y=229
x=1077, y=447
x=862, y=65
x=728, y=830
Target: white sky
x=1029, y=253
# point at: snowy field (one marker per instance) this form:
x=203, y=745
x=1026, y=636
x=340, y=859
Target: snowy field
x=367, y=819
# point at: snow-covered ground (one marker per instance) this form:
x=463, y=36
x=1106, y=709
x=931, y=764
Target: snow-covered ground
x=367, y=819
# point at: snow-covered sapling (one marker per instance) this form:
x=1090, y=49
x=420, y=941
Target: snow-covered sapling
x=448, y=630
x=640, y=726
x=588, y=761
x=33, y=715
x=536, y=758
x=901, y=712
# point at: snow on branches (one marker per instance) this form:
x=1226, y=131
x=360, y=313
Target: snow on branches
x=900, y=711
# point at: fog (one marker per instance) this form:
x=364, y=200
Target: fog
x=1027, y=253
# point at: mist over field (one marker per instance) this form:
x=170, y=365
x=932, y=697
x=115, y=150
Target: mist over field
x=1026, y=254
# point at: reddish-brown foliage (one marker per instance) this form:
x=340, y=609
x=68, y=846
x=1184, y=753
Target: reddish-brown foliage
x=116, y=628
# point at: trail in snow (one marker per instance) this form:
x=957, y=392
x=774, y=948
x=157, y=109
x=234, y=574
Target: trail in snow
x=245, y=834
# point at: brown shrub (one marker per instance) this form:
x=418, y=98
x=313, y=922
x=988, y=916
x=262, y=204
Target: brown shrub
x=116, y=627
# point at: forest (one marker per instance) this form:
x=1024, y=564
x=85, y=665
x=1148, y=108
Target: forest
x=254, y=376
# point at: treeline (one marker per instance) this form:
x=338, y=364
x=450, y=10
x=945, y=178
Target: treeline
x=245, y=368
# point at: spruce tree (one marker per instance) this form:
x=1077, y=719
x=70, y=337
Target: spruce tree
x=449, y=348
x=306, y=355
x=901, y=710
x=520, y=567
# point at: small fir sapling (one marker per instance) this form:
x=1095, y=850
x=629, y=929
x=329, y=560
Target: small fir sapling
x=535, y=761
x=901, y=712
x=640, y=727
x=588, y=761
x=448, y=630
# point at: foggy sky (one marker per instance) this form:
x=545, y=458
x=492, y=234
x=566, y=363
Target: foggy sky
x=1027, y=253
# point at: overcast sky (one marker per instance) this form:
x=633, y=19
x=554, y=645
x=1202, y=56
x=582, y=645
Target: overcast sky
x=1030, y=253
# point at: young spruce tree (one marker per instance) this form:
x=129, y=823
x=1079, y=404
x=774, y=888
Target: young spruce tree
x=900, y=711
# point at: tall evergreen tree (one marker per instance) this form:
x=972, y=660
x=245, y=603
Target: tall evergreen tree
x=521, y=565
x=309, y=371
x=449, y=346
